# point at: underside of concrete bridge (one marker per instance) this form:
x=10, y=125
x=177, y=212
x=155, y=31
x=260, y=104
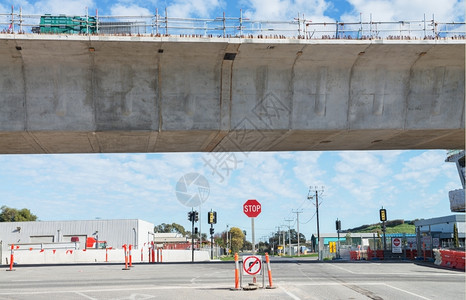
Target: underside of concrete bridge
x=92, y=94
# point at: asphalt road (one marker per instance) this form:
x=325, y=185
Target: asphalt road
x=294, y=279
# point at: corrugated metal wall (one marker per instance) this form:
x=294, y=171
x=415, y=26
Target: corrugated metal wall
x=115, y=232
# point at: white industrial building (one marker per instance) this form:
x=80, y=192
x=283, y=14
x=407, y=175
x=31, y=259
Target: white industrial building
x=115, y=232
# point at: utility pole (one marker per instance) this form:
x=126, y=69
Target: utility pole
x=228, y=252
x=297, y=212
x=311, y=195
x=278, y=228
x=283, y=242
x=289, y=233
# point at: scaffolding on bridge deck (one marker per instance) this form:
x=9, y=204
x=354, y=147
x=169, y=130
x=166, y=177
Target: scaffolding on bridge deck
x=232, y=27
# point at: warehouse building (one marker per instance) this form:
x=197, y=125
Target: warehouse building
x=109, y=233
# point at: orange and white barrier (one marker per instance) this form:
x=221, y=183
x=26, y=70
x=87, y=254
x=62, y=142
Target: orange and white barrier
x=130, y=256
x=269, y=270
x=125, y=248
x=12, y=257
x=159, y=254
x=153, y=252
x=237, y=287
x=453, y=259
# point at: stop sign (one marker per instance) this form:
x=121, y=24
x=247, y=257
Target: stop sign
x=252, y=208
x=396, y=242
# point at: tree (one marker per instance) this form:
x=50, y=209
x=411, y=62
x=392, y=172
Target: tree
x=8, y=214
x=455, y=236
x=313, y=241
x=294, y=237
x=174, y=228
x=237, y=239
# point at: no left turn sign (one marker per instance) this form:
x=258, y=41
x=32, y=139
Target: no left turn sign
x=252, y=265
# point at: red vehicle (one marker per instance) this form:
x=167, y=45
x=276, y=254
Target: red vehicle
x=91, y=243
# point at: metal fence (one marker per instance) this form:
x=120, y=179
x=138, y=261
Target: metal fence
x=227, y=27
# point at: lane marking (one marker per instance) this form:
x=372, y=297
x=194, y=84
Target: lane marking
x=289, y=293
x=343, y=269
x=85, y=296
x=407, y=292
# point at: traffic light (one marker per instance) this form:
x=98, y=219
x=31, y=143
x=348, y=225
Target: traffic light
x=196, y=216
x=332, y=247
x=212, y=217
x=211, y=231
x=338, y=225
x=196, y=231
x=190, y=216
x=383, y=214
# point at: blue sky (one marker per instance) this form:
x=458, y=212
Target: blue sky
x=409, y=184
x=315, y=10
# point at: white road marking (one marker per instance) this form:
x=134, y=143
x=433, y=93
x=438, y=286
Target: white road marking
x=85, y=296
x=289, y=293
x=333, y=265
x=412, y=294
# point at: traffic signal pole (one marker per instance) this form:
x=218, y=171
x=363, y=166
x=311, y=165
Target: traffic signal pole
x=211, y=241
x=192, y=236
x=212, y=219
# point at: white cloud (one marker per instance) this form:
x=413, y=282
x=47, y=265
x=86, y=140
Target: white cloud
x=285, y=9
x=129, y=10
x=193, y=8
x=364, y=175
x=67, y=7
x=307, y=169
x=396, y=10
x=425, y=168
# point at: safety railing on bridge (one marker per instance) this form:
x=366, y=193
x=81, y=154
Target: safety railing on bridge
x=227, y=27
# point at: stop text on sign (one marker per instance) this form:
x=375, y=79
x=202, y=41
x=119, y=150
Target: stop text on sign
x=252, y=208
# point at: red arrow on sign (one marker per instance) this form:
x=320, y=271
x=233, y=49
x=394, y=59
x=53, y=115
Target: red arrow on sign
x=252, y=208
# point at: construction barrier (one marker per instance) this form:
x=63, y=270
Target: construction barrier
x=130, y=256
x=153, y=252
x=411, y=254
x=12, y=257
x=269, y=271
x=237, y=272
x=159, y=254
x=125, y=248
x=452, y=259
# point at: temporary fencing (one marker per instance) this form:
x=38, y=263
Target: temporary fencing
x=452, y=259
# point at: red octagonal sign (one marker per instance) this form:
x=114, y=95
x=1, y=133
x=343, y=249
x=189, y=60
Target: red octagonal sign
x=252, y=208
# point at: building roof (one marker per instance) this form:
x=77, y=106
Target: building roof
x=170, y=237
x=440, y=220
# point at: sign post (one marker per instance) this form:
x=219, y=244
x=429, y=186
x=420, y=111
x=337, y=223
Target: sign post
x=212, y=219
x=396, y=245
x=383, y=218
x=252, y=208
